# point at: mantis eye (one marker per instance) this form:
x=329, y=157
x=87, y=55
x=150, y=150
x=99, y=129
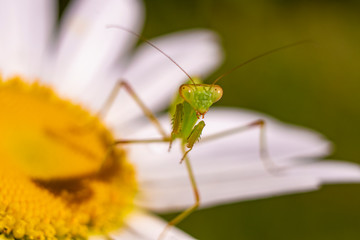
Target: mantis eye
x=217, y=93
x=186, y=92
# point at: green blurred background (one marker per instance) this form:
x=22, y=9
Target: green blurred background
x=315, y=85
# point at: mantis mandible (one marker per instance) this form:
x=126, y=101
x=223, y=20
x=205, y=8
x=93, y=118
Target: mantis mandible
x=193, y=102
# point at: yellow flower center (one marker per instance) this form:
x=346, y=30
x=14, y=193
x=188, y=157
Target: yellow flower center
x=58, y=178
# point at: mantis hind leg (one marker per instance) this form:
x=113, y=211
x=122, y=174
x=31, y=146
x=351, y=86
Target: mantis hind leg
x=191, y=209
x=268, y=163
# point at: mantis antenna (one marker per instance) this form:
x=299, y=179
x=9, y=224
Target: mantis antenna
x=154, y=46
x=260, y=56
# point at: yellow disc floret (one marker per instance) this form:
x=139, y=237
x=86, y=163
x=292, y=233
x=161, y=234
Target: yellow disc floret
x=58, y=177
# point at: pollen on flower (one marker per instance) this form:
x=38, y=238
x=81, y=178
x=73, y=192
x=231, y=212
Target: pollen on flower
x=58, y=180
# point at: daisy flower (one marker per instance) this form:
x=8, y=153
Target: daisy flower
x=58, y=181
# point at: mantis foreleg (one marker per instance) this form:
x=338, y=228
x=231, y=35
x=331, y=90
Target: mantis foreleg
x=193, y=138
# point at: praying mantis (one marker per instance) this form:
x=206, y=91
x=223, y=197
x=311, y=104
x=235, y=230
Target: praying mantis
x=193, y=102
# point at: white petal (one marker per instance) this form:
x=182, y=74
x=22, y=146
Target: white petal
x=236, y=184
x=284, y=142
x=156, y=79
x=143, y=226
x=25, y=31
x=226, y=171
x=87, y=48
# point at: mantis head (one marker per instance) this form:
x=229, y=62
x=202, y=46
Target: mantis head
x=200, y=96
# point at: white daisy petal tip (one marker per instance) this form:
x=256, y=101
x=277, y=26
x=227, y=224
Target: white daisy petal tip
x=328, y=171
x=197, y=51
x=142, y=225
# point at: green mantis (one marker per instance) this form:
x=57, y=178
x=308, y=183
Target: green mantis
x=187, y=112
